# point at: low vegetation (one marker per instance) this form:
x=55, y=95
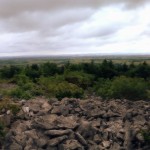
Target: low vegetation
x=106, y=79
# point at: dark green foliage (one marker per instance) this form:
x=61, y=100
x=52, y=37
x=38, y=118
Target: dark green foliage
x=2, y=132
x=65, y=89
x=58, y=87
x=20, y=93
x=123, y=87
x=102, y=88
x=49, y=69
x=146, y=135
x=33, y=72
x=69, y=80
x=80, y=79
x=9, y=72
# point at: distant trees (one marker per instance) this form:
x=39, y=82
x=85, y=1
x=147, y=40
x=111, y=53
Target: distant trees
x=107, y=79
x=9, y=72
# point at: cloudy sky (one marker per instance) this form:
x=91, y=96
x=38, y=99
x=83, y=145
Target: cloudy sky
x=58, y=27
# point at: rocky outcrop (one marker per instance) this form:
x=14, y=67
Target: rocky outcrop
x=74, y=124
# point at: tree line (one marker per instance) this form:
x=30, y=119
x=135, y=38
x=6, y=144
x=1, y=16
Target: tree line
x=106, y=79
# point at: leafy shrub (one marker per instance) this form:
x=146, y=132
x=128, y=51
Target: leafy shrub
x=7, y=104
x=65, y=89
x=80, y=79
x=14, y=108
x=124, y=87
x=57, y=87
x=9, y=72
x=21, y=79
x=20, y=93
x=102, y=88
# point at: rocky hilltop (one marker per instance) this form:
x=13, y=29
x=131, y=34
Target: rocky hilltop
x=74, y=124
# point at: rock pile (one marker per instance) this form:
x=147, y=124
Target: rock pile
x=74, y=124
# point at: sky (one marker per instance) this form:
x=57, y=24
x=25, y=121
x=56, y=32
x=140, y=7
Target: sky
x=60, y=27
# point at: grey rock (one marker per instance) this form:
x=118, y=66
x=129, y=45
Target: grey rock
x=57, y=132
x=56, y=141
x=81, y=139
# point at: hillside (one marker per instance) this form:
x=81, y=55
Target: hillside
x=75, y=106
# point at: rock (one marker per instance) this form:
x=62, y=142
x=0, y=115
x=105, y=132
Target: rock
x=74, y=124
x=57, y=132
x=22, y=102
x=140, y=138
x=8, y=112
x=140, y=120
x=3, y=110
x=128, y=116
x=56, y=110
x=120, y=136
x=81, y=139
x=15, y=146
x=25, y=109
x=56, y=141
x=52, y=100
x=41, y=142
x=97, y=139
x=46, y=106
x=5, y=119
x=55, y=122
x=86, y=129
x=115, y=146
x=71, y=145
x=106, y=144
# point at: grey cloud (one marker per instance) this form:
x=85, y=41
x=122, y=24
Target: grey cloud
x=48, y=21
x=9, y=8
x=38, y=26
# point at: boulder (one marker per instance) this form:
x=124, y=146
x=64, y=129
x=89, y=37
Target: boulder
x=57, y=132
x=56, y=141
x=5, y=119
x=71, y=145
x=49, y=122
x=81, y=139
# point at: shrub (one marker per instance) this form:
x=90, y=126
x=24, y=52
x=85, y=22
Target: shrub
x=21, y=79
x=80, y=79
x=20, y=93
x=7, y=104
x=102, y=88
x=65, y=89
x=124, y=87
x=57, y=87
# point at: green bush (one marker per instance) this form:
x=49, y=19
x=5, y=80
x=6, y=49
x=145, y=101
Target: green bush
x=80, y=79
x=14, y=108
x=8, y=105
x=20, y=93
x=124, y=87
x=57, y=87
x=65, y=89
x=102, y=88
x=21, y=79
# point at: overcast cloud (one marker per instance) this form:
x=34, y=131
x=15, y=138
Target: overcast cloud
x=53, y=27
